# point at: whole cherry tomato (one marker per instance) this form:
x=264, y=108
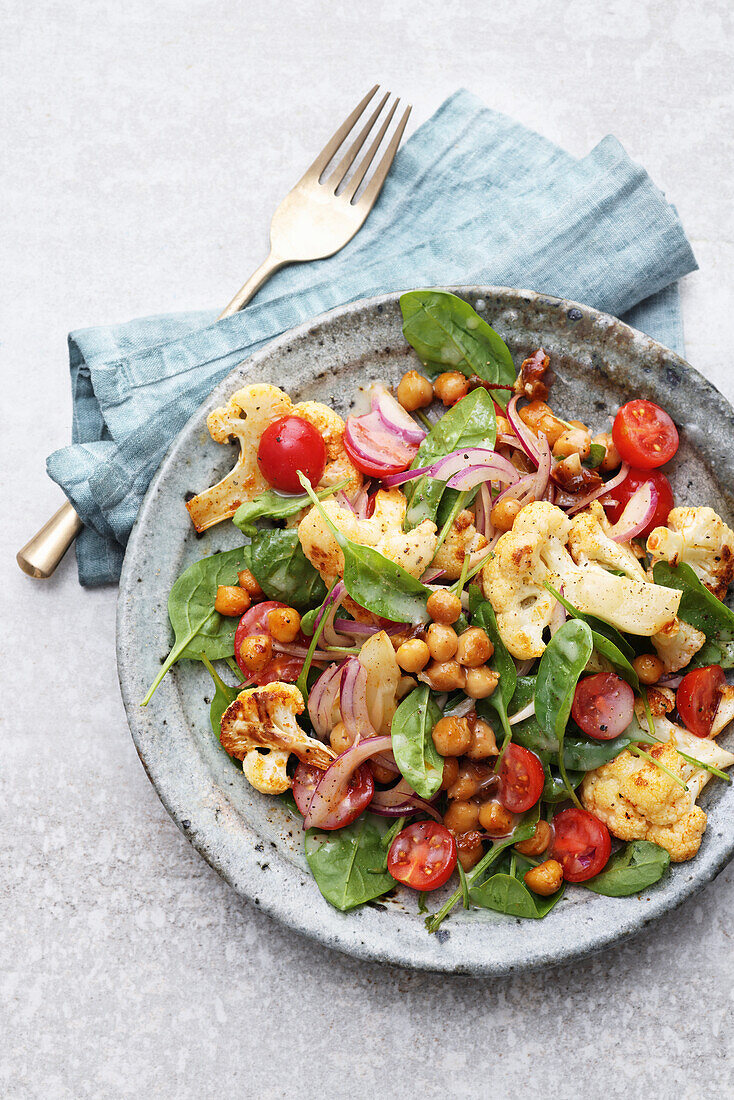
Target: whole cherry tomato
x=287, y=446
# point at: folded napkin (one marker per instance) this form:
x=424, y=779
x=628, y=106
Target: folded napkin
x=472, y=197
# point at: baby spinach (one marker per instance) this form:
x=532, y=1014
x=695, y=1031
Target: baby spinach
x=374, y=581
x=274, y=505
x=283, y=571
x=699, y=607
x=224, y=694
x=505, y=892
x=632, y=869
x=197, y=627
x=597, y=453
x=343, y=862
x=564, y=659
x=471, y=422
x=500, y=662
x=449, y=334
x=412, y=744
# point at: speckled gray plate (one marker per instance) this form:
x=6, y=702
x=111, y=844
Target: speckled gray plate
x=251, y=840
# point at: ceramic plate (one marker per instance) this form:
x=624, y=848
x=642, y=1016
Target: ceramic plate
x=251, y=840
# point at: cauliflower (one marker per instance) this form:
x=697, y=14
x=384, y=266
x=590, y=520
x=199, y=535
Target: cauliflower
x=700, y=538
x=677, y=644
x=463, y=538
x=639, y=801
x=724, y=712
x=265, y=718
x=534, y=552
x=589, y=540
x=383, y=530
x=245, y=417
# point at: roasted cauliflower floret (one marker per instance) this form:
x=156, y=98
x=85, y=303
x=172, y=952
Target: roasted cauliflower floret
x=638, y=801
x=589, y=541
x=700, y=538
x=724, y=712
x=265, y=718
x=677, y=644
x=245, y=417
x=463, y=538
x=534, y=552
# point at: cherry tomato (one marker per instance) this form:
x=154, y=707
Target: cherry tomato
x=644, y=434
x=374, y=450
x=280, y=666
x=698, y=698
x=287, y=446
x=358, y=797
x=581, y=844
x=603, y=705
x=521, y=779
x=615, y=502
x=422, y=856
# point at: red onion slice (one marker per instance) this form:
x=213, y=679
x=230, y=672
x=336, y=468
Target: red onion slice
x=432, y=574
x=353, y=701
x=371, y=441
x=605, y=488
x=527, y=440
x=526, y=712
x=407, y=475
x=322, y=699
x=472, y=476
x=335, y=780
x=638, y=511
x=395, y=419
x=498, y=468
x=544, y=467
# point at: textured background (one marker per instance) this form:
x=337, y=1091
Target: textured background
x=145, y=146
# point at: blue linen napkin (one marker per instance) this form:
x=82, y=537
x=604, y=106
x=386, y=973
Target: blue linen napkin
x=473, y=197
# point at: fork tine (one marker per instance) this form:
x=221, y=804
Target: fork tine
x=374, y=187
x=333, y=144
x=350, y=156
x=360, y=172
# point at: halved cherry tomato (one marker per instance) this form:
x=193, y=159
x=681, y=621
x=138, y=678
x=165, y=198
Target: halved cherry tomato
x=375, y=451
x=603, y=705
x=644, y=434
x=422, y=856
x=287, y=446
x=521, y=779
x=698, y=698
x=614, y=502
x=357, y=798
x=281, y=666
x=581, y=844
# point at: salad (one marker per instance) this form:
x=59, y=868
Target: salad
x=472, y=640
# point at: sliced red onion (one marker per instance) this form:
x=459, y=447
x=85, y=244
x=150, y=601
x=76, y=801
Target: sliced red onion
x=526, y=712
x=483, y=521
x=349, y=626
x=498, y=468
x=522, y=491
x=374, y=441
x=637, y=514
x=300, y=651
x=407, y=475
x=558, y=618
x=669, y=682
x=395, y=419
x=464, y=707
x=605, y=488
x=542, y=478
x=432, y=574
x=322, y=699
x=523, y=667
x=335, y=780
x=343, y=500
x=411, y=805
x=360, y=502
x=527, y=439
x=353, y=702
x=475, y=475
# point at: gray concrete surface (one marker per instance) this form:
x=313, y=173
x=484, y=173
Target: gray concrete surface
x=144, y=146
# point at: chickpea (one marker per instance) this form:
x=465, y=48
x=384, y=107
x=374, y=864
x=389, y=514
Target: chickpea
x=544, y=879
x=249, y=583
x=503, y=426
x=339, y=739
x=461, y=817
x=414, y=391
x=574, y=441
x=474, y=647
x=612, y=458
x=256, y=651
x=483, y=743
x=469, y=849
x=231, y=600
x=648, y=667
x=538, y=842
x=442, y=642
x=445, y=676
x=471, y=779
x=495, y=819
x=451, y=386
x=450, y=772
x=504, y=513
x=413, y=656
x=539, y=417
x=284, y=623
x=480, y=682
x=380, y=773
x=443, y=606
x=451, y=736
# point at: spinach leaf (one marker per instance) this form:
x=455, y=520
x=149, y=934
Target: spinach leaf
x=632, y=869
x=449, y=334
x=342, y=862
x=597, y=451
x=197, y=627
x=274, y=505
x=375, y=582
x=699, y=607
x=564, y=659
x=224, y=694
x=412, y=744
x=471, y=422
x=507, y=893
x=283, y=571
x=500, y=662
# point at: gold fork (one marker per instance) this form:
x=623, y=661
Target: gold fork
x=317, y=218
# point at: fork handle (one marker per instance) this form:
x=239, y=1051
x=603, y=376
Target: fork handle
x=267, y=268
